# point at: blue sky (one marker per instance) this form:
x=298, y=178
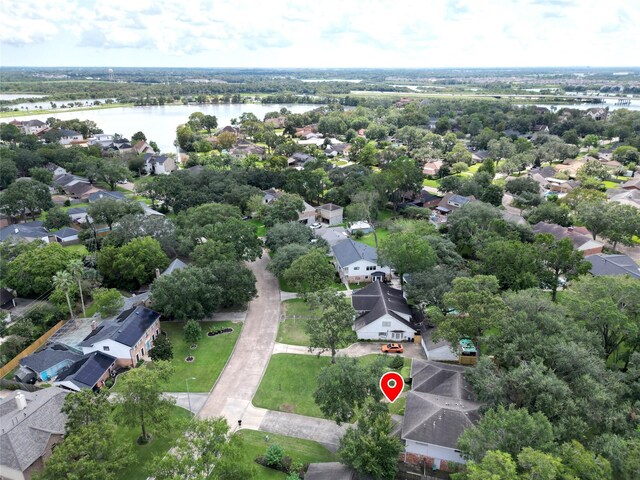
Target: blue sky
x=326, y=33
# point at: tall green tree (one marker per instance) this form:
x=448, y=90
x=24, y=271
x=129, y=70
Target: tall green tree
x=205, y=451
x=64, y=281
x=285, y=208
x=334, y=326
x=406, y=252
x=192, y=332
x=478, y=307
x=344, y=386
x=108, y=301
x=110, y=210
x=141, y=399
x=559, y=260
x=77, y=270
x=370, y=448
x=311, y=272
x=187, y=293
x=56, y=218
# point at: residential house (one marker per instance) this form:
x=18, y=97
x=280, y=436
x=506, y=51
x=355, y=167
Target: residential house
x=439, y=408
x=306, y=217
x=32, y=423
x=80, y=190
x=277, y=122
x=580, y=236
x=64, y=179
x=103, y=140
x=560, y=186
x=78, y=214
x=357, y=262
x=432, y=168
x=545, y=172
x=424, y=199
x=7, y=299
x=602, y=264
x=50, y=360
x=55, y=169
x=633, y=184
x=332, y=235
x=122, y=145
x=479, y=156
x=32, y=127
x=25, y=232
x=100, y=194
x=244, y=149
x=452, y=202
x=142, y=147
x=176, y=264
x=597, y=113
x=128, y=337
x=382, y=314
x=307, y=129
x=66, y=236
x=629, y=197
x=540, y=129
x=158, y=164
x=232, y=129
x=148, y=211
x=70, y=137
x=299, y=159
x=337, y=149
x=330, y=214
x=91, y=371
x=403, y=102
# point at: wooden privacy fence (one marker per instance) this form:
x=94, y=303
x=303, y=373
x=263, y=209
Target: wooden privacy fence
x=13, y=363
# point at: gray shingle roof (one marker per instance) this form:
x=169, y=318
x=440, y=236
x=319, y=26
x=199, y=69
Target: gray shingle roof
x=86, y=372
x=24, y=434
x=49, y=356
x=440, y=379
x=24, y=230
x=104, y=194
x=378, y=299
x=348, y=252
x=68, y=133
x=127, y=328
x=66, y=232
x=76, y=210
x=613, y=265
x=176, y=264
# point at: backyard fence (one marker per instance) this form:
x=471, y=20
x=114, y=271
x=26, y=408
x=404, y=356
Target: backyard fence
x=13, y=363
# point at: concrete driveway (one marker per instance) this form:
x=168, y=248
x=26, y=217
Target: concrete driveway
x=411, y=350
x=231, y=395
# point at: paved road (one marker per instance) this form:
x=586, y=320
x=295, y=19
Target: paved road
x=239, y=381
x=411, y=350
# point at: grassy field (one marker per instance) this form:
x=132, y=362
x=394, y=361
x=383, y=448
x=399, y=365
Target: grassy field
x=261, y=230
x=370, y=240
x=290, y=381
x=78, y=248
x=210, y=356
x=292, y=330
x=161, y=443
x=303, y=451
x=431, y=183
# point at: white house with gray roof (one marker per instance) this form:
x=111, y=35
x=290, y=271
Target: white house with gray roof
x=25, y=232
x=439, y=407
x=31, y=423
x=357, y=262
x=383, y=314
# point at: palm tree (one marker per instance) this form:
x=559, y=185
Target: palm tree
x=77, y=270
x=64, y=281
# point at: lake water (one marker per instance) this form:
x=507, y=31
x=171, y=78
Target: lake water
x=159, y=123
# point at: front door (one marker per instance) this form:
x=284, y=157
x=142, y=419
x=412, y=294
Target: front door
x=397, y=335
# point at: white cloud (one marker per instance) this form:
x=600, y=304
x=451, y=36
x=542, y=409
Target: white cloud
x=343, y=33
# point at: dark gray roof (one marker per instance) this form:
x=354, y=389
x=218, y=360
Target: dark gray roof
x=24, y=230
x=79, y=188
x=76, y=210
x=376, y=300
x=104, y=194
x=66, y=232
x=127, y=328
x=348, y=252
x=6, y=296
x=86, y=372
x=459, y=199
x=613, y=265
x=330, y=206
x=67, y=178
x=437, y=420
x=440, y=379
x=68, y=133
x=329, y=471
x=176, y=264
x=49, y=356
x=152, y=157
x=24, y=434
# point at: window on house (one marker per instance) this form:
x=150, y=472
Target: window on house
x=386, y=324
x=382, y=334
x=356, y=268
x=371, y=268
x=105, y=348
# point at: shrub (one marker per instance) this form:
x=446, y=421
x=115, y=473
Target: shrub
x=274, y=455
x=358, y=234
x=396, y=362
x=108, y=382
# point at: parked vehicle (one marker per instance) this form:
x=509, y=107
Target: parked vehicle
x=392, y=348
x=316, y=225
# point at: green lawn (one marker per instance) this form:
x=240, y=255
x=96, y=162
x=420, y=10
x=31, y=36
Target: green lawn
x=261, y=230
x=303, y=451
x=290, y=380
x=287, y=287
x=162, y=441
x=78, y=248
x=292, y=330
x=369, y=239
x=610, y=184
x=431, y=183
x=210, y=356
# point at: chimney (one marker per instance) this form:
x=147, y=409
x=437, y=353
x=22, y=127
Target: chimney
x=93, y=325
x=21, y=401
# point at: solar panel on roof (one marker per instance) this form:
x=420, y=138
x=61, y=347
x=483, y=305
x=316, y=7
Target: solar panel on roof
x=93, y=369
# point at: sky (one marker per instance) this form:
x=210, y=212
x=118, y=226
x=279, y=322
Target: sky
x=321, y=34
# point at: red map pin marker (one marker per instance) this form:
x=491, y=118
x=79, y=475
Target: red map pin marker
x=391, y=384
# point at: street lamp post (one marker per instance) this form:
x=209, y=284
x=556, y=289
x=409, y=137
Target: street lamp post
x=186, y=381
